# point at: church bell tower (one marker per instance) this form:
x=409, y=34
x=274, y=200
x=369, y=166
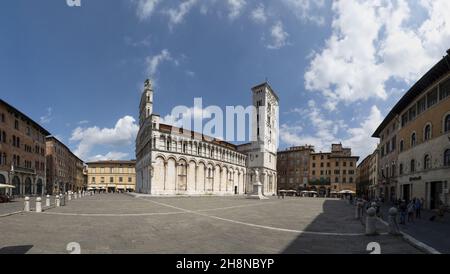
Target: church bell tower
x=146, y=105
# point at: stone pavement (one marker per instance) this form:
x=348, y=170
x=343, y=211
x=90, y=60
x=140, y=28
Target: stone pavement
x=435, y=234
x=118, y=223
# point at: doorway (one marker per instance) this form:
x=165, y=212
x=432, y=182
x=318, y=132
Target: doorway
x=406, y=193
x=435, y=194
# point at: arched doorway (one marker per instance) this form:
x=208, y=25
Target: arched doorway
x=16, y=184
x=39, y=187
x=28, y=186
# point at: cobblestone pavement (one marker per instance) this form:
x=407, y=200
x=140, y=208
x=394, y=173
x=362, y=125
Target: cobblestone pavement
x=435, y=234
x=117, y=223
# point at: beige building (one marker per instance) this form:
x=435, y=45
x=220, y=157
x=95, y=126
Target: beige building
x=112, y=176
x=64, y=169
x=333, y=171
x=22, y=152
x=423, y=138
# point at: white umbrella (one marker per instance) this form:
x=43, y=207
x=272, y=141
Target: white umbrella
x=6, y=186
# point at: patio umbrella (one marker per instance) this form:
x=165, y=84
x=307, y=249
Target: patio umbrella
x=6, y=186
x=346, y=192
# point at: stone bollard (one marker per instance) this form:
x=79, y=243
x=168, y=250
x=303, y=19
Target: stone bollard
x=394, y=229
x=26, y=207
x=69, y=196
x=62, y=199
x=358, y=209
x=57, y=202
x=38, y=204
x=47, y=201
x=371, y=228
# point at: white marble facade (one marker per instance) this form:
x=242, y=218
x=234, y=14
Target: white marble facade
x=170, y=161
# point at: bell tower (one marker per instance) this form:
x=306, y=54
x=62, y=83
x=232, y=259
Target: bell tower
x=146, y=105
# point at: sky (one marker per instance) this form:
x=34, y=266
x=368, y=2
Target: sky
x=338, y=67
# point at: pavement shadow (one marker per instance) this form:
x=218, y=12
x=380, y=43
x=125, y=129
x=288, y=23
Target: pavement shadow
x=336, y=217
x=20, y=249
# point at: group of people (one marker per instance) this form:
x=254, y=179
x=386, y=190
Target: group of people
x=410, y=211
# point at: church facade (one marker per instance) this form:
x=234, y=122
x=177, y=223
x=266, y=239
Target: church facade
x=176, y=161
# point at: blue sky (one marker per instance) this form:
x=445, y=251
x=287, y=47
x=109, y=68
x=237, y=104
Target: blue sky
x=338, y=67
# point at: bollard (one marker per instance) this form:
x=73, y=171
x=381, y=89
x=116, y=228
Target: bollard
x=62, y=198
x=57, y=202
x=371, y=228
x=69, y=196
x=38, y=204
x=75, y=195
x=47, y=201
x=358, y=209
x=27, y=204
x=394, y=229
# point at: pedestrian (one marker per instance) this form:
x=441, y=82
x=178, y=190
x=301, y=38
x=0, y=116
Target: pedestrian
x=411, y=209
x=418, y=205
x=402, y=208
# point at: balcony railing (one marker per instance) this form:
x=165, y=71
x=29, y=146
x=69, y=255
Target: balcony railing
x=19, y=169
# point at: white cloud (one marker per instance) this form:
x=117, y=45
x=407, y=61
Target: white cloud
x=113, y=155
x=145, y=8
x=371, y=43
x=153, y=62
x=83, y=122
x=279, y=36
x=123, y=134
x=47, y=118
x=306, y=10
x=190, y=114
x=259, y=15
x=236, y=7
x=177, y=15
x=328, y=131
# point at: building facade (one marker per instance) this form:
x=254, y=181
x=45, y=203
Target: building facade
x=374, y=190
x=22, y=152
x=64, y=169
x=176, y=161
x=111, y=176
x=363, y=178
x=293, y=168
x=424, y=137
x=333, y=171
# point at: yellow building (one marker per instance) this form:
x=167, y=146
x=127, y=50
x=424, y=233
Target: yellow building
x=112, y=176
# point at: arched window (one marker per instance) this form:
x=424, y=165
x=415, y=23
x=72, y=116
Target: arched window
x=447, y=123
x=413, y=165
x=426, y=162
x=413, y=139
x=447, y=157
x=427, y=132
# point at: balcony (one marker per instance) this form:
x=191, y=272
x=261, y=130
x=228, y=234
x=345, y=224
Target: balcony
x=18, y=169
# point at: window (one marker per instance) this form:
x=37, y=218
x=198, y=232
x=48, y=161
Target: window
x=321, y=164
x=413, y=139
x=351, y=164
x=432, y=97
x=16, y=124
x=393, y=143
x=93, y=179
x=446, y=124
x=3, y=117
x=404, y=119
x=446, y=158
x=445, y=89
x=426, y=162
x=351, y=180
x=336, y=180
x=337, y=163
x=111, y=179
x=427, y=133
x=344, y=180
x=401, y=145
x=400, y=169
x=412, y=113
x=421, y=105
x=413, y=166
x=129, y=179
x=120, y=179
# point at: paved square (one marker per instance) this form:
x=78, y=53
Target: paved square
x=118, y=223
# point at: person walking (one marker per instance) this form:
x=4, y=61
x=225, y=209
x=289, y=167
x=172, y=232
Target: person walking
x=402, y=208
x=411, y=209
x=418, y=205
